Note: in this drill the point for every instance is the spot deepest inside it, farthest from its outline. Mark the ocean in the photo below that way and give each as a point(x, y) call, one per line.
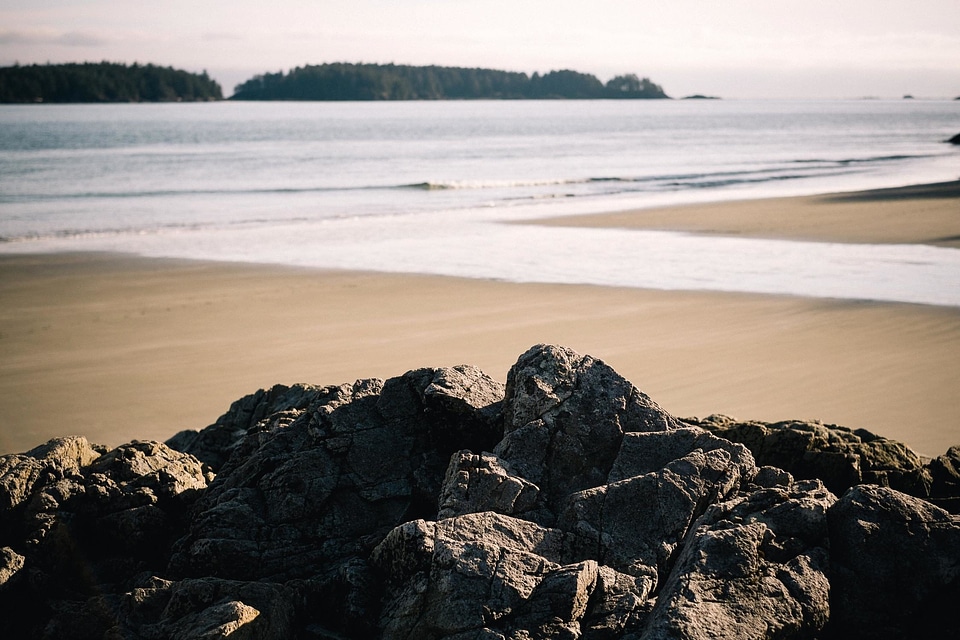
point(426, 187)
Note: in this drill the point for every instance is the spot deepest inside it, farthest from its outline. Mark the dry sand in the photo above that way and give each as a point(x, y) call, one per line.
point(117, 347)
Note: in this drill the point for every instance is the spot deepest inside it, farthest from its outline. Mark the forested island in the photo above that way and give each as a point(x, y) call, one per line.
point(104, 82)
point(344, 81)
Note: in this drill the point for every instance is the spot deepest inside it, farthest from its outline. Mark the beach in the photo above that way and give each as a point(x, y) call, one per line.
point(117, 347)
point(917, 214)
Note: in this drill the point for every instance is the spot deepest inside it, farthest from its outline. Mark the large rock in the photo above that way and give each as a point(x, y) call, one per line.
point(490, 575)
point(752, 567)
point(635, 525)
point(22, 474)
point(441, 504)
point(309, 493)
point(945, 480)
point(840, 457)
point(564, 418)
point(214, 444)
point(895, 563)
point(77, 519)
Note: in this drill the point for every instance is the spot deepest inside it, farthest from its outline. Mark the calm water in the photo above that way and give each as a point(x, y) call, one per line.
point(425, 186)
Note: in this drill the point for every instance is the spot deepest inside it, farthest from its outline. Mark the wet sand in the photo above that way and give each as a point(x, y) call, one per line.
point(920, 214)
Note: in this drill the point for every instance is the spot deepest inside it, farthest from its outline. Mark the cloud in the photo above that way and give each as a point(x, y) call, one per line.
point(64, 38)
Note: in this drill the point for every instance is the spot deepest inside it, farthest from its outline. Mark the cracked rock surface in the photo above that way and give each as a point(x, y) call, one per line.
point(442, 504)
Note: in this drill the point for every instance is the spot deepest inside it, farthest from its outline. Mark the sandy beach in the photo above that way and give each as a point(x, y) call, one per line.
point(116, 347)
point(919, 214)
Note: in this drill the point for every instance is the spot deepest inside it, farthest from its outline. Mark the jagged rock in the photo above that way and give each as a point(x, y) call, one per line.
point(635, 525)
point(214, 444)
point(11, 563)
point(48, 463)
point(461, 574)
point(476, 483)
point(213, 608)
point(146, 468)
point(895, 566)
point(753, 567)
point(945, 480)
point(441, 504)
point(564, 417)
point(838, 456)
point(488, 573)
point(305, 493)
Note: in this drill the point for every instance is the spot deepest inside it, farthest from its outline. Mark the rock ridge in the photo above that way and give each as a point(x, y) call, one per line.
point(442, 504)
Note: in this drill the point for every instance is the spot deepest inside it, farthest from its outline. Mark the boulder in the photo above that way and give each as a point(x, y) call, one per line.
point(490, 575)
point(840, 457)
point(475, 483)
point(636, 525)
point(895, 565)
point(753, 567)
point(309, 493)
point(564, 418)
point(214, 444)
point(945, 480)
point(443, 504)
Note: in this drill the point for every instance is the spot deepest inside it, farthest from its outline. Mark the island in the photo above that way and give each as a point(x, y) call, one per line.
point(348, 81)
point(104, 82)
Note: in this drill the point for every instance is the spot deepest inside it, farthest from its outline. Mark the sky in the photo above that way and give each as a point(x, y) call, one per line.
point(727, 48)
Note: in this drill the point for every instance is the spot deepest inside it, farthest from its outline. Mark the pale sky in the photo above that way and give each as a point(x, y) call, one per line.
point(729, 48)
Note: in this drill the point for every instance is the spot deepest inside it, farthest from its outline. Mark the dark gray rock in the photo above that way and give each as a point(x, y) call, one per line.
point(309, 490)
point(214, 444)
point(564, 417)
point(476, 483)
point(895, 566)
point(213, 608)
point(490, 575)
point(462, 574)
point(636, 525)
point(753, 567)
point(11, 563)
point(838, 456)
point(945, 480)
point(441, 504)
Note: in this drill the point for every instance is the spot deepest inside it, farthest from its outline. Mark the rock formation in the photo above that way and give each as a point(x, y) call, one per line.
point(442, 504)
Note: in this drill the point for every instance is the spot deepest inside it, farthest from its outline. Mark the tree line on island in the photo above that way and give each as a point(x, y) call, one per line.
point(113, 82)
point(104, 82)
point(344, 81)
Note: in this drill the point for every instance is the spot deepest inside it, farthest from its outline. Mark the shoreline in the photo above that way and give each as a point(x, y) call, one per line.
point(117, 347)
point(875, 216)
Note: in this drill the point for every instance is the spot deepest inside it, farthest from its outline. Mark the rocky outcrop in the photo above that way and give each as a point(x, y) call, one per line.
point(843, 458)
point(442, 504)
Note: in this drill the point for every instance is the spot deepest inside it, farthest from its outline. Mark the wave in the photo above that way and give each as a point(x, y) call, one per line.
point(849, 161)
point(583, 186)
point(154, 229)
point(490, 184)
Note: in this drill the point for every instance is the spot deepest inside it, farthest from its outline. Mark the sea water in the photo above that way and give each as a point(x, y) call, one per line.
point(427, 187)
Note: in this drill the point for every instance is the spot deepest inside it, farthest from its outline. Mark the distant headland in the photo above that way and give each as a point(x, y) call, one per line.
point(104, 82)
